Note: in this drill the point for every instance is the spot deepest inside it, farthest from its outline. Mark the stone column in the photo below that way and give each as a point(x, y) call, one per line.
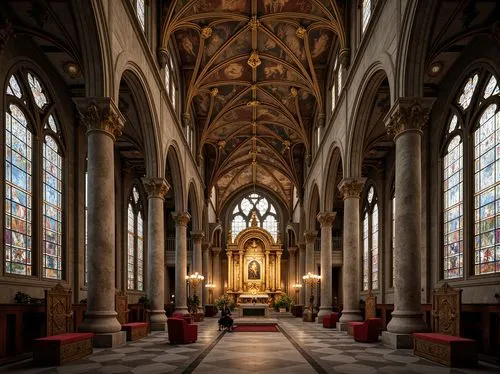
point(405, 121)
point(156, 188)
point(242, 271)
point(310, 237)
point(268, 267)
point(351, 188)
point(292, 273)
point(207, 272)
point(230, 274)
point(181, 221)
point(197, 237)
point(326, 220)
point(104, 123)
point(302, 272)
point(219, 286)
point(278, 270)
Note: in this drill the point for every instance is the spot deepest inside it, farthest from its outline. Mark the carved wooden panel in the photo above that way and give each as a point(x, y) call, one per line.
point(370, 306)
point(446, 306)
point(59, 312)
point(121, 307)
point(433, 351)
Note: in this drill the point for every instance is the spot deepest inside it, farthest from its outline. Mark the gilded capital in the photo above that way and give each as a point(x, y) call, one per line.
point(310, 236)
point(156, 187)
point(326, 218)
point(100, 114)
point(181, 218)
point(408, 114)
point(351, 188)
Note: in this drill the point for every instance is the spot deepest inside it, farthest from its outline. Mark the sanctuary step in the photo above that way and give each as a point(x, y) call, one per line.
point(245, 321)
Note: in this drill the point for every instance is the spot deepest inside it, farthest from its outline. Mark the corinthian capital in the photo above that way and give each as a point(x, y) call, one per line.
point(100, 114)
point(408, 114)
point(181, 218)
point(156, 187)
point(310, 236)
point(326, 218)
point(351, 188)
point(197, 236)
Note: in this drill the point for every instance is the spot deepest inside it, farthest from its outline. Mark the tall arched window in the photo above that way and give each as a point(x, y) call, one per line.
point(170, 82)
point(474, 111)
point(370, 241)
point(267, 217)
point(33, 167)
point(135, 242)
point(366, 13)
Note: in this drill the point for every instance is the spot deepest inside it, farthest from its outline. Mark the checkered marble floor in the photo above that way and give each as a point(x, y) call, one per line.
point(301, 348)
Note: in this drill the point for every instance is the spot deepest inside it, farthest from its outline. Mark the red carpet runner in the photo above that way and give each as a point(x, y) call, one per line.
point(255, 328)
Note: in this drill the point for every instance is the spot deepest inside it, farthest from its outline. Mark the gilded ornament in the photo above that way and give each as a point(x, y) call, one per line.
point(253, 103)
point(206, 32)
point(301, 32)
point(254, 59)
point(221, 144)
point(293, 92)
point(254, 23)
point(214, 91)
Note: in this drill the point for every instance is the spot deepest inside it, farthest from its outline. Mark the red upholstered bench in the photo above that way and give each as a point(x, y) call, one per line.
point(330, 321)
point(449, 350)
point(350, 327)
point(59, 349)
point(135, 330)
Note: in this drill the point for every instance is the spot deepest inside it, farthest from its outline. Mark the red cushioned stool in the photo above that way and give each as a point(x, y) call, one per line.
point(367, 331)
point(331, 320)
point(135, 330)
point(181, 332)
point(58, 349)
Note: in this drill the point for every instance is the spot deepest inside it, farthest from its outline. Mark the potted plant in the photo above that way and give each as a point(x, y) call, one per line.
point(193, 304)
point(225, 300)
point(282, 303)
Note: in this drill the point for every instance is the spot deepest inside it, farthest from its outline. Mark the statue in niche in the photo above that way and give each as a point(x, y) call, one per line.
point(253, 270)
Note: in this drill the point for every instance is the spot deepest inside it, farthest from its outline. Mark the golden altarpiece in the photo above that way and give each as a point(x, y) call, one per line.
point(254, 265)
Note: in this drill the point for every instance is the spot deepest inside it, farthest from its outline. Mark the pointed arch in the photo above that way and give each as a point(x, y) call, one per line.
point(334, 165)
point(313, 208)
point(174, 173)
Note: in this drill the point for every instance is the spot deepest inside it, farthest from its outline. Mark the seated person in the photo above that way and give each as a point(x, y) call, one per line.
point(225, 321)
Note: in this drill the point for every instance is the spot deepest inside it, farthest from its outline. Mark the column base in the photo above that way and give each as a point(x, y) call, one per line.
point(342, 326)
point(110, 340)
point(100, 322)
point(323, 311)
point(406, 322)
point(397, 341)
point(158, 326)
point(158, 320)
point(351, 315)
point(183, 309)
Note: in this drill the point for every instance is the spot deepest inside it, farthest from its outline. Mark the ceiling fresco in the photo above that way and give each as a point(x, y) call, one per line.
point(255, 73)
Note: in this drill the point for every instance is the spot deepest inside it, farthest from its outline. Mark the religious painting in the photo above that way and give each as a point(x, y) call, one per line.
point(253, 270)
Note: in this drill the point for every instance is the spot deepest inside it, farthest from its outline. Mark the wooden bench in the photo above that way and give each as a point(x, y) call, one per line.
point(59, 349)
point(136, 330)
point(449, 350)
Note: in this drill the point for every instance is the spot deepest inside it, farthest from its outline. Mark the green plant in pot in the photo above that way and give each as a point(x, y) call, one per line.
point(282, 301)
point(193, 303)
point(225, 300)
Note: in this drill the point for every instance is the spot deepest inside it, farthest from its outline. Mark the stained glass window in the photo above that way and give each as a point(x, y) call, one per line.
point(266, 215)
point(131, 248)
point(52, 210)
point(140, 252)
point(339, 80)
point(365, 253)
point(366, 12)
point(167, 79)
point(491, 88)
point(333, 96)
point(18, 193)
point(370, 195)
point(453, 209)
point(37, 91)
point(468, 91)
point(140, 9)
point(13, 88)
point(375, 239)
point(487, 192)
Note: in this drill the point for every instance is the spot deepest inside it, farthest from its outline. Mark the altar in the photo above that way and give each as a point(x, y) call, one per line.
point(253, 310)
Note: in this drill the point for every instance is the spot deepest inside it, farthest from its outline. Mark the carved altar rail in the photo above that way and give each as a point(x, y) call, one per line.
point(480, 322)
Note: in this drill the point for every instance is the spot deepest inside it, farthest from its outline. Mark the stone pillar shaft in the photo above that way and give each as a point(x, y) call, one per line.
point(351, 189)
point(181, 221)
point(292, 273)
point(230, 271)
point(310, 237)
point(219, 286)
point(267, 271)
point(207, 273)
point(302, 271)
point(326, 221)
point(156, 189)
point(196, 237)
point(405, 121)
point(104, 123)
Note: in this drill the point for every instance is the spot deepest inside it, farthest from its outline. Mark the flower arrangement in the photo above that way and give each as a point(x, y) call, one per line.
point(282, 301)
point(225, 300)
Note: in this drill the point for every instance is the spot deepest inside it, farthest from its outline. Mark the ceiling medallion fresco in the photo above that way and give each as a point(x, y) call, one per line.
point(255, 72)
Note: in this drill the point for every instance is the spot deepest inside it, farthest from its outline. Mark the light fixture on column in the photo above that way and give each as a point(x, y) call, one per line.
point(194, 280)
point(210, 287)
point(297, 287)
point(311, 280)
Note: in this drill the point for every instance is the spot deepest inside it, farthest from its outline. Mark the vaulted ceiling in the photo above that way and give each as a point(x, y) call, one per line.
point(255, 73)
